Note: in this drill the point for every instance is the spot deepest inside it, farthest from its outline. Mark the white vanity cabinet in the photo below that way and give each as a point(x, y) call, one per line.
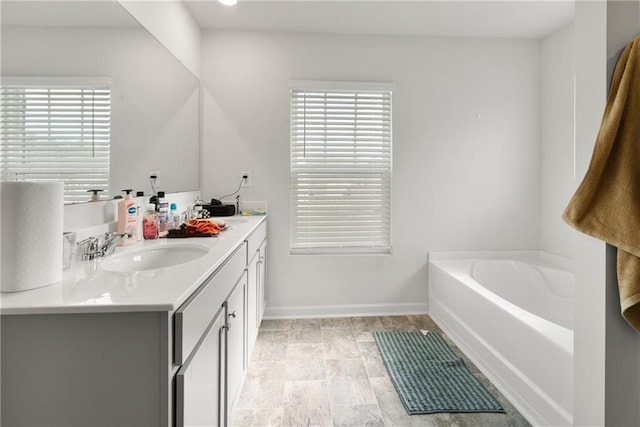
point(236, 333)
point(209, 346)
point(142, 358)
point(200, 382)
point(256, 276)
point(262, 279)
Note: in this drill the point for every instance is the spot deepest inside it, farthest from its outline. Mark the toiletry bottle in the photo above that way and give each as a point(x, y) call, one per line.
point(127, 217)
point(95, 197)
point(150, 223)
point(163, 214)
point(139, 201)
point(174, 217)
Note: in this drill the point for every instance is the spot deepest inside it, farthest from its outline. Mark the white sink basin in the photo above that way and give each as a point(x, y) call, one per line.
point(153, 258)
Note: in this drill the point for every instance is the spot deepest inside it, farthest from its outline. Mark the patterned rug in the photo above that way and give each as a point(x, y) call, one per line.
point(429, 377)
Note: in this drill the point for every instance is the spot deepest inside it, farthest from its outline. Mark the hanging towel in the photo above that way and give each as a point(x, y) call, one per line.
point(606, 205)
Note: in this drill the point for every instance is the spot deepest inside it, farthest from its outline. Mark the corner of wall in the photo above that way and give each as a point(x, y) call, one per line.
point(173, 25)
point(590, 255)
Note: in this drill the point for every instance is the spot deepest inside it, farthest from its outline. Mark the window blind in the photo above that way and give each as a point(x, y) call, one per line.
point(56, 132)
point(340, 171)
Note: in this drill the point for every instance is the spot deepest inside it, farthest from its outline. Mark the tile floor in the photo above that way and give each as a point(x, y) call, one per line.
point(328, 372)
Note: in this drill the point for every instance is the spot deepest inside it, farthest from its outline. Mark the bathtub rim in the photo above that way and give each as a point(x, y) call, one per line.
point(535, 256)
point(561, 336)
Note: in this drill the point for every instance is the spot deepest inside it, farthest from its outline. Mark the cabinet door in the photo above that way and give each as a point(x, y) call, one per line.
point(262, 281)
point(236, 340)
point(252, 304)
point(200, 399)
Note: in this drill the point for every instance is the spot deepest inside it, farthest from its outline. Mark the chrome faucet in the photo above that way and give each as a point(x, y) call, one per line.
point(94, 247)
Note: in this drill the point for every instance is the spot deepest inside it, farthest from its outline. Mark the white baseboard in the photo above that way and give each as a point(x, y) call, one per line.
point(347, 310)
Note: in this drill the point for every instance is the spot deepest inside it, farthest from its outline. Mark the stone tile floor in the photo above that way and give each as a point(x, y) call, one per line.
point(328, 372)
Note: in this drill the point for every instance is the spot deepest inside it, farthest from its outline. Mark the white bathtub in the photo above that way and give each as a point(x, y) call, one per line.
point(512, 314)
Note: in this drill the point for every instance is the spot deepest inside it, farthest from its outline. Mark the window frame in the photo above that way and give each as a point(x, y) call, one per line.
point(383, 246)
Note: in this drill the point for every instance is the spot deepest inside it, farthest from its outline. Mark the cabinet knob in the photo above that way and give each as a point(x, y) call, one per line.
point(234, 314)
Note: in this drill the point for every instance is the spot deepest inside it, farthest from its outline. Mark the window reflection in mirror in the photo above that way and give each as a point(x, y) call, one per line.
point(57, 130)
point(154, 122)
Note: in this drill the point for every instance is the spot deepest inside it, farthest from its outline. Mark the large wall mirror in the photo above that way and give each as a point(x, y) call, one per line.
point(153, 100)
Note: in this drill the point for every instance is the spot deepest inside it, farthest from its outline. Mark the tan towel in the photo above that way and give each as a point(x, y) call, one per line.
point(607, 202)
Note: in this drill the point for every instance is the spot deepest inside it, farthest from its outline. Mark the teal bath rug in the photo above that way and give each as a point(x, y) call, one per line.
point(429, 377)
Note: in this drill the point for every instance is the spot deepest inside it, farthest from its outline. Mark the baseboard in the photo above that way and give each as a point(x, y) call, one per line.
point(347, 310)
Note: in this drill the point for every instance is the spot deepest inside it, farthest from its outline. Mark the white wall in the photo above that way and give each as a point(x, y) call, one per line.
point(606, 348)
point(466, 153)
point(589, 335)
point(172, 24)
point(622, 381)
point(557, 165)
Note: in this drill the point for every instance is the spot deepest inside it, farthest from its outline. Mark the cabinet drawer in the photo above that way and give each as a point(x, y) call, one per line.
point(193, 317)
point(255, 240)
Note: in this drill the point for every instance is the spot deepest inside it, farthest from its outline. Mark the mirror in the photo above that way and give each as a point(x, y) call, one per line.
point(154, 98)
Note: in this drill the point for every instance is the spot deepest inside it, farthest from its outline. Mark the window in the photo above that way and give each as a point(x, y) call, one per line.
point(340, 168)
point(56, 129)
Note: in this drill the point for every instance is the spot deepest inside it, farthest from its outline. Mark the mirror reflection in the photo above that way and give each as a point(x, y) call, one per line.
point(86, 79)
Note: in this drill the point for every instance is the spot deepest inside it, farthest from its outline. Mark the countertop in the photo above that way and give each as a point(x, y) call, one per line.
point(87, 288)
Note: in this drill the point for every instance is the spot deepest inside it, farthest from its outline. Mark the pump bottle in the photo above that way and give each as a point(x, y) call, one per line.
point(127, 218)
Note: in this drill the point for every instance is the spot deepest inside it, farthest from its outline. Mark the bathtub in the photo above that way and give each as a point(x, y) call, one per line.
point(511, 313)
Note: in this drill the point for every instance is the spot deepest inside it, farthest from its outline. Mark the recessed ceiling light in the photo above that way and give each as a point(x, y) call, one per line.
point(228, 2)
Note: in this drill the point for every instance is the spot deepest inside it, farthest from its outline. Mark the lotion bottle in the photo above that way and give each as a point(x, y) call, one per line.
point(127, 218)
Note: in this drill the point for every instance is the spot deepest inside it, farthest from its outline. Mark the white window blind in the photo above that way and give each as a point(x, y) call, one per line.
point(340, 171)
point(55, 131)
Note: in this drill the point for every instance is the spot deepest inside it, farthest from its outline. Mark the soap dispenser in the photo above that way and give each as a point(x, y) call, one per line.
point(95, 197)
point(127, 218)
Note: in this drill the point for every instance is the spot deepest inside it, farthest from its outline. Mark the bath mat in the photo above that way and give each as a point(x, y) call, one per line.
point(429, 377)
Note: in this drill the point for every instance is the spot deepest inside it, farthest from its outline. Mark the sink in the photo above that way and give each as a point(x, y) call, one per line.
point(153, 258)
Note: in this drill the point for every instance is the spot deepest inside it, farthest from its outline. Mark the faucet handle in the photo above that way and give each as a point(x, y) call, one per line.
point(110, 242)
point(89, 242)
point(89, 248)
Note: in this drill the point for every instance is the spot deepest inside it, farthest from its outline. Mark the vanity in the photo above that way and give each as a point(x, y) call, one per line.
point(123, 344)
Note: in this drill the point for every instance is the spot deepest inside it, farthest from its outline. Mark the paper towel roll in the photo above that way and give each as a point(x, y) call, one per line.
point(32, 215)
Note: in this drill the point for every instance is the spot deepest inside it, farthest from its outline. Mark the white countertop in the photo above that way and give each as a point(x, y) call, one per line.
point(87, 288)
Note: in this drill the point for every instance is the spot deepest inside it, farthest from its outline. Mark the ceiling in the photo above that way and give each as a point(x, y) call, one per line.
point(471, 18)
